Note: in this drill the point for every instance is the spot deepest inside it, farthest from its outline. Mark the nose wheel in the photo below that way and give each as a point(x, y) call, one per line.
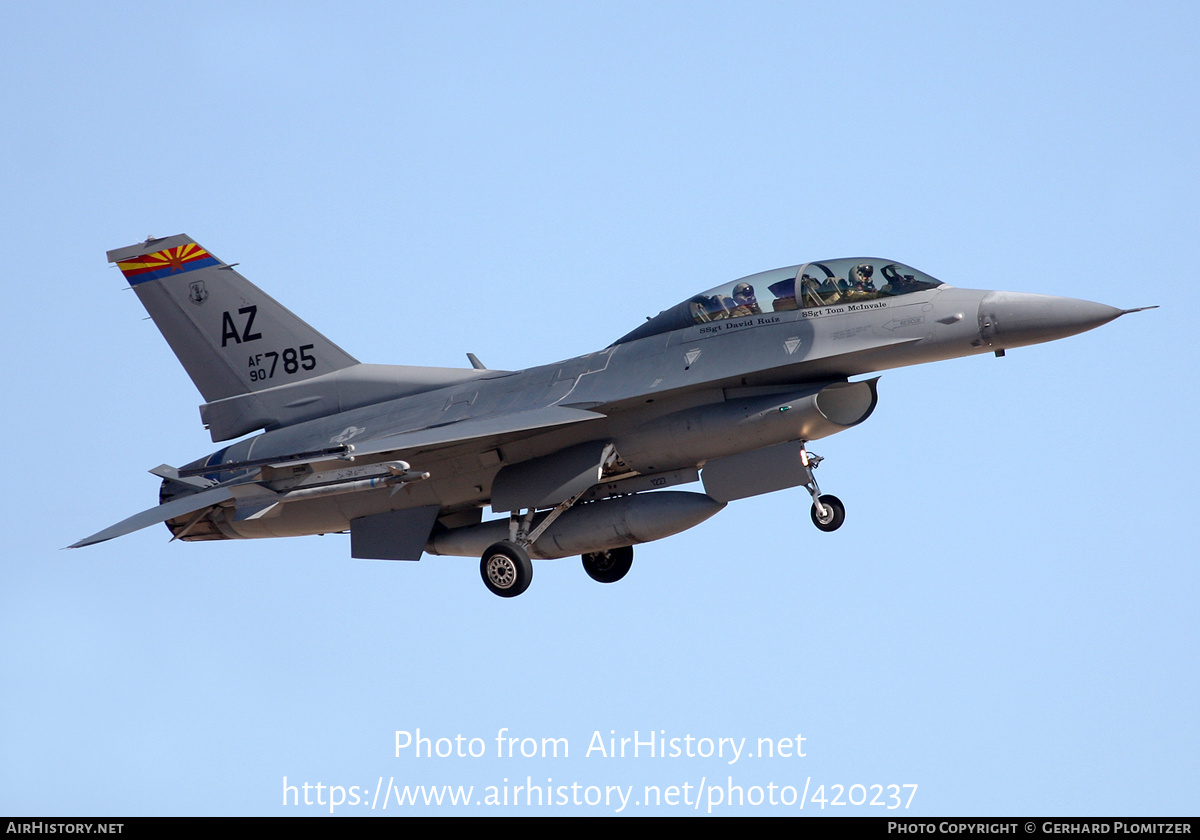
point(828, 512)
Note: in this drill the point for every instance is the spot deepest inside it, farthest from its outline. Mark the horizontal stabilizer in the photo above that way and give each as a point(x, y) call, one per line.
point(160, 513)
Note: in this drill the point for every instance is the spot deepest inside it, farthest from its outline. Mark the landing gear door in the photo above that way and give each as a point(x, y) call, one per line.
point(754, 473)
point(546, 481)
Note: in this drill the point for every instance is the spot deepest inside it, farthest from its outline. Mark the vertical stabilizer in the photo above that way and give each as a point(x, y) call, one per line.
point(230, 336)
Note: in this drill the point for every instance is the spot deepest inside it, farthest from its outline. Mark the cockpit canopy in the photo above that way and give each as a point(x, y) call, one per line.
point(814, 284)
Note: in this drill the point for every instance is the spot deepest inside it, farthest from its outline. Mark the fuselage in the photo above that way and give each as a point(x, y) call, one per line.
point(580, 457)
point(691, 363)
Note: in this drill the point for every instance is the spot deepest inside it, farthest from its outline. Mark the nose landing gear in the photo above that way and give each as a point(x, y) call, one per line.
point(828, 512)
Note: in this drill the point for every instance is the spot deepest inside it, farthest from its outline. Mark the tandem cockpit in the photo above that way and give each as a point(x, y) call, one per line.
point(812, 285)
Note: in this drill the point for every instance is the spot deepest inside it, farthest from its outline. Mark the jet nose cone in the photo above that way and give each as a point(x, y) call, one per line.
point(1013, 319)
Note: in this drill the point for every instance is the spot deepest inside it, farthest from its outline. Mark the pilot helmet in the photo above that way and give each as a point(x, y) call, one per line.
point(861, 274)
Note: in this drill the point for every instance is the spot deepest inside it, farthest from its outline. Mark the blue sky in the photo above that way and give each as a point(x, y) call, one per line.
point(1007, 619)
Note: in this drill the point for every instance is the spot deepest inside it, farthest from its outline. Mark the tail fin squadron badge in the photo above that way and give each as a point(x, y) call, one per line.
point(197, 293)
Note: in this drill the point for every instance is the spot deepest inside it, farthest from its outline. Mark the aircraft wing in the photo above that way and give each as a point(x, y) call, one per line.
point(484, 431)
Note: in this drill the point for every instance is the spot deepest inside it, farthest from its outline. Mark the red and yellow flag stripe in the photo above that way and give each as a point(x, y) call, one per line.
point(164, 263)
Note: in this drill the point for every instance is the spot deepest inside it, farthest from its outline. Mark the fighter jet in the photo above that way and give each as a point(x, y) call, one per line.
point(726, 388)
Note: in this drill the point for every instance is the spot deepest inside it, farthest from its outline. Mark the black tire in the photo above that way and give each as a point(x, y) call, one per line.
point(608, 566)
point(506, 569)
point(835, 514)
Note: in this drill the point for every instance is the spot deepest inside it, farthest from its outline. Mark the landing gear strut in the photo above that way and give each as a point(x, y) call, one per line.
point(505, 567)
point(828, 512)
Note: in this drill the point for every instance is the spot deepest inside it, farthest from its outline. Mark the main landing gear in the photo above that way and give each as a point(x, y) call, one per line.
point(608, 566)
point(507, 570)
point(505, 567)
point(828, 512)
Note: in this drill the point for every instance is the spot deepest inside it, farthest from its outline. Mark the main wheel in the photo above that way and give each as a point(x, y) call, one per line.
point(608, 566)
point(834, 515)
point(506, 569)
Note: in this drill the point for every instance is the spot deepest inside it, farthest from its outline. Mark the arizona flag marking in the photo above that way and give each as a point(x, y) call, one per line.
point(161, 264)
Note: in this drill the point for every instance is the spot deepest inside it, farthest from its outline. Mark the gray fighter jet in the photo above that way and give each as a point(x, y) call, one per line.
point(727, 388)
